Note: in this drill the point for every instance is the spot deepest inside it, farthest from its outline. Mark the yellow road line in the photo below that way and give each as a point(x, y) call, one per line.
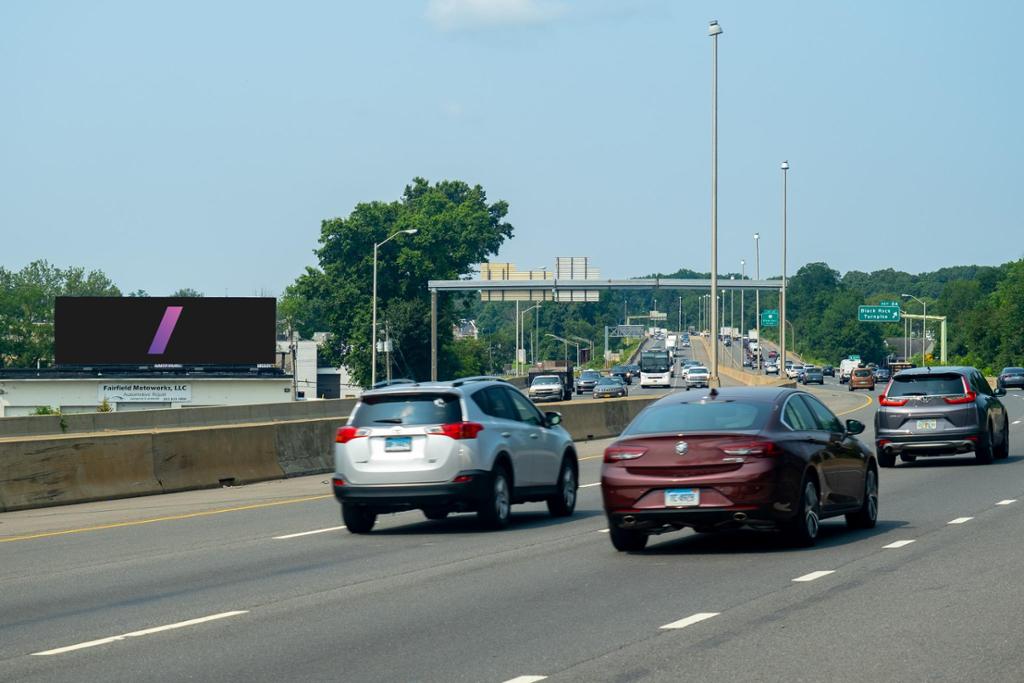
point(853, 410)
point(169, 518)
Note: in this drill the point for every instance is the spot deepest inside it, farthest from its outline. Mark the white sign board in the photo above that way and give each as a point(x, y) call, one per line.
point(130, 392)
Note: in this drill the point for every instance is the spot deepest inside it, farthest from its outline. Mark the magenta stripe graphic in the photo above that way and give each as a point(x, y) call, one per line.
point(163, 332)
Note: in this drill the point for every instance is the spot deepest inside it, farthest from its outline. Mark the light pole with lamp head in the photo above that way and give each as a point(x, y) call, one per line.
point(782, 292)
point(743, 295)
point(373, 335)
point(714, 30)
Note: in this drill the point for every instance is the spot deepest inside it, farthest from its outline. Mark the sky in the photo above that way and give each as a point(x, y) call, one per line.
point(197, 144)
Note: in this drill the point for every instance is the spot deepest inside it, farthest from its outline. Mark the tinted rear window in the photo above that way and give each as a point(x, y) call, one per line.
point(927, 385)
point(861, 373)
point(708, 416)
point(405, 409)
point(1012, 371)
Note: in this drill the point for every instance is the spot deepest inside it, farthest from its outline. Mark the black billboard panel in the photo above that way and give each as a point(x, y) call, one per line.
point(164, 330)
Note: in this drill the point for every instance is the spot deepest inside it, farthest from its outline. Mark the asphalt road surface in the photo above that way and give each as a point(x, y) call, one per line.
point(259, 583)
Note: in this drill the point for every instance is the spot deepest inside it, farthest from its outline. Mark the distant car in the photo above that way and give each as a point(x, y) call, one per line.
point(634, 369)
point(941, 411)
point(791, 370)
point(828, 371)
point(622, 372)
point(610, 387)
point(748, 361)
point(861, 378)
point(727, 341)
point(546, 388)
point(760, 457)
point(587, 380)
point(772, 355)
point(812, 375)
point(771, 368)
point(1011, 378)
point(697, 376)
point(881, 375)
point(475, 444)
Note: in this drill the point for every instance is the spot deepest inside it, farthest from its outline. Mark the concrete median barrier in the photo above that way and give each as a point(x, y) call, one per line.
point(201, 458)
point(306, 447)
point(43, 472)
point(599, 419)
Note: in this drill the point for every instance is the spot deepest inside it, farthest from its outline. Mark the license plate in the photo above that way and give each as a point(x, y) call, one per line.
point(682, 498)
point(926, 424)
point(394, 444)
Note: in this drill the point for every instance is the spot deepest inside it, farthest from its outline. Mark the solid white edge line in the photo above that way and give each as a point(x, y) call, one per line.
point(814, 575)
point(1008, 501)
point(309, 533)
point(959, 520)
point(526, 679)
point(897, 544)
point(135, 634)
point(587, 486)
point(603, 531)
point(692, 619)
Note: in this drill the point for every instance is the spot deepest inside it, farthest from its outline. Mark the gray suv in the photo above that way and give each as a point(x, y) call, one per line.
point(474, 444)
point(941, 411)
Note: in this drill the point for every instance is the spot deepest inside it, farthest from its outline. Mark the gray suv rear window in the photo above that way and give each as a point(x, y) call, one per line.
point(406, 409)
point(927, 385)
point(699, 417)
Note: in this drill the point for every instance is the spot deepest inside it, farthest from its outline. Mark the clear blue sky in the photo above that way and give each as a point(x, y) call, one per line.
point(200, 143)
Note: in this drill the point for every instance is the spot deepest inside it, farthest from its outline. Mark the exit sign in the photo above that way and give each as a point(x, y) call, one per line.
point(878, 314)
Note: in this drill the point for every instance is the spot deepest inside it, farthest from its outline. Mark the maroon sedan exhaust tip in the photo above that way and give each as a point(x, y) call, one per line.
point(629, 521)
point(740, 516)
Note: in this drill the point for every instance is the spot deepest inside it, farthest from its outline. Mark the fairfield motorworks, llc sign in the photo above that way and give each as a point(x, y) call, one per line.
point(131, 392)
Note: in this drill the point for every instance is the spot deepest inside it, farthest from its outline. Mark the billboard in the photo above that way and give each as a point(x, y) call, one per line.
point(164, 330)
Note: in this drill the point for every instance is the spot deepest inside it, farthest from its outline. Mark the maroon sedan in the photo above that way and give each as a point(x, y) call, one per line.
point(758, 457)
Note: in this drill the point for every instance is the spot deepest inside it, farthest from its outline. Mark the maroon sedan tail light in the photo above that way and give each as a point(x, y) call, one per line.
point(761, 449)
point(620, 453)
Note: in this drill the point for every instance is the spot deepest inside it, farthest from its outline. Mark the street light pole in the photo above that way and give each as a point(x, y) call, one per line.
point(743, 295)
point(757, 295)
point(714, 30)
point(782, 293)
point(924, 326)
point(373, 332)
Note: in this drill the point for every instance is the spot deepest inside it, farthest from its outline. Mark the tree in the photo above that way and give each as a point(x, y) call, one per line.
point(186, 292)
point(26, 308)
point(456, 227)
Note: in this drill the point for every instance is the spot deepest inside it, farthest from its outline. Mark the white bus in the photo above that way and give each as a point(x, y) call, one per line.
point(655, 369)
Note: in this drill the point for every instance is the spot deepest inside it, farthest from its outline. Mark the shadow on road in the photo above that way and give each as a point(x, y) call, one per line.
point(954, 461)
point(467, 523)
point(834, 533)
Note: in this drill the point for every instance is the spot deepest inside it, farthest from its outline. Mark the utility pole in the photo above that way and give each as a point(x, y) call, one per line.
point(782, 293)
point(714, 30)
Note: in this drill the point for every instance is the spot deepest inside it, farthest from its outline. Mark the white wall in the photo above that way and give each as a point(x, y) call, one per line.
point(23, 396)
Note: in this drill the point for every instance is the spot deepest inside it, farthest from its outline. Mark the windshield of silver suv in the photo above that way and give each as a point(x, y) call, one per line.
point(550, 379)
point(407, 409)
point(590, 374)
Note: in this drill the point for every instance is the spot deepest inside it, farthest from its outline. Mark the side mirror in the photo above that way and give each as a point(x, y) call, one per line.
point(1000, 391)
point(854, 426)
point(553, 418)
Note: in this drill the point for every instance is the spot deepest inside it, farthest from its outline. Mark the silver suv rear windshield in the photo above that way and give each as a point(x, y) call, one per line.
point(700, 417)
point(927, 385)
point(407, 409)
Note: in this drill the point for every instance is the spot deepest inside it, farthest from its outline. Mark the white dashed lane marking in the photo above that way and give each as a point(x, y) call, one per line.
point(135, 634)
point(1008, 501)
point(526, 679)
point(309, 533)
point(897, 544)
point(587, 486)
point(960, 520)
point(690, 620)
point(814, 575)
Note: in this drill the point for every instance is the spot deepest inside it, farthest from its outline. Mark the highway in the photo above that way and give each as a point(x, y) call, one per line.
point(261, 583)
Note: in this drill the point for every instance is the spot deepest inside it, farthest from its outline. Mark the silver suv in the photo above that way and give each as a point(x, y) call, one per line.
point(941, 411)
point(474, 444)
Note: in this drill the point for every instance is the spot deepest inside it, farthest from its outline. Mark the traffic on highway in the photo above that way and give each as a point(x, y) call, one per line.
point(729, 509)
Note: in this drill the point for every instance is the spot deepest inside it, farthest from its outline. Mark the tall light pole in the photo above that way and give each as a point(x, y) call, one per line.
point(373, 333)
point(924, 323)
point(714, 30)
point(679, 324)
point(522, 330)
point(732, 301)
point(782, 292)
point(757, 294)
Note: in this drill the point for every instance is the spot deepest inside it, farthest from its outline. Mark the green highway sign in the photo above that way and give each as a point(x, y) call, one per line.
point(890, 303)
point(878, 314)
point(770, 317)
